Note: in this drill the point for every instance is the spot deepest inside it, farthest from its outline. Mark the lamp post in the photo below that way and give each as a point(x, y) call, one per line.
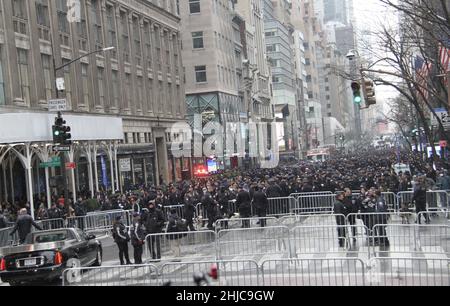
point(55, 72)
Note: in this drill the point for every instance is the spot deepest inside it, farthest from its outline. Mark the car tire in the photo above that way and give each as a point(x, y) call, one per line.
point(73, 276)
point(98, 259)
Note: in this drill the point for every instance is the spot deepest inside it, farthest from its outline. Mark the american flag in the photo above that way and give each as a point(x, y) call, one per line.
point(423, 69)
point(444, 57)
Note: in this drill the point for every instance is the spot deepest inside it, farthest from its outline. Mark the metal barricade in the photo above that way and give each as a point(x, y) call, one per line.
point(404, 199)
point(437, 200)
point(393, 238)
point(6, 239)
point(327, 239)
point(230, 273)
point(252, 241)
point(309, 220)
point(179, 209)
point(50, 224)
point(433, 239)
point(198, 244)
point(280, 206)
point(391, 200)
point(388, 271)
point(300, 194)
point(313, 272)
point(371, 219)
point(240, 222)
point(129, 275)
point(314, 204)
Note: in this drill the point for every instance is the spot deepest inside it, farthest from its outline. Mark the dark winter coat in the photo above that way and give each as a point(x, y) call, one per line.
point(23, 226)
point(155, 221)
point(243, 202)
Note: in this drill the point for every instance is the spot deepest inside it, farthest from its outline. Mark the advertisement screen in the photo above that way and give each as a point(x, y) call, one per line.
point(212, 166)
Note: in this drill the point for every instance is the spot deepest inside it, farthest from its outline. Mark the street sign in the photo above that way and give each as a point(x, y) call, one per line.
point(53, 162)
point(57, 105)
point(443, 115)
point(61, 148)
point(125, 165)
point(70, 165)
point(60, 84)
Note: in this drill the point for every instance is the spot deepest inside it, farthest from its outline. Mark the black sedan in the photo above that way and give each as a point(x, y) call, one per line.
point(46, 254)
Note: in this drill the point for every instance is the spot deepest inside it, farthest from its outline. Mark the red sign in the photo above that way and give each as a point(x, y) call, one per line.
point(70, 165)
point(443, 143)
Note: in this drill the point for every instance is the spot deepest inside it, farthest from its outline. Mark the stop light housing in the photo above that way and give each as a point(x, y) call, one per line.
point(369, 92)
point(61, 132)
point(356, 88)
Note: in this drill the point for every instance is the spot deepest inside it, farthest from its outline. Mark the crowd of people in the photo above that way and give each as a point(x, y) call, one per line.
point(368, 171)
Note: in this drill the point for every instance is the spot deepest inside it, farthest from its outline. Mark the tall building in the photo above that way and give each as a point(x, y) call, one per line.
point(224, 84)
point(279, 40)
point(139, 82)
point(336, 10)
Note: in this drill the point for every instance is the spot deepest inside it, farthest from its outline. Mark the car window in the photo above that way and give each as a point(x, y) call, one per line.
point(81, 234)
point(50, 237)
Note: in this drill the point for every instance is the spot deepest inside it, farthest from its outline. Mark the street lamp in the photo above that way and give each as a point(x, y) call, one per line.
point(85, 55)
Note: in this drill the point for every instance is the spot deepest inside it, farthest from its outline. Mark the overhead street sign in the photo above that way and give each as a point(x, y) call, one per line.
point(53, 162)
point(61, 148)
point(57, 105)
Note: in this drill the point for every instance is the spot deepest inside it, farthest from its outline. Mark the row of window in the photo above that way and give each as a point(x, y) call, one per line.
point(116, 30)
point(137, 138)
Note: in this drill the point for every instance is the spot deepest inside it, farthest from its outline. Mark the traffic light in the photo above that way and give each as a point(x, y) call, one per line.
point(356, 88)
point(369, 92)
point(61, 133)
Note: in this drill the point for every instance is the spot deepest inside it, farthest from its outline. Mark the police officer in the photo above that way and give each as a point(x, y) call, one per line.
point(121, 238)
point(339, 209)
point(137, 238)
point(154, 225)
point(260, 203)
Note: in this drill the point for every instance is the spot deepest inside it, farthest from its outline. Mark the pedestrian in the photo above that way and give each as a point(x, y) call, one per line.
point(420, 200)
point(121, 238)
point(137, 238)
point(340, 210)
point(243, 202)
point(260, 203)
point(3, 220)
point(154, 226)
point(23, 225)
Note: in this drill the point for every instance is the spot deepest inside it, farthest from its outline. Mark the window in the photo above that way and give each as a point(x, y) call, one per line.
point(311, 109)
point(20, 16)
point(101, 85)
point(97, 23)
point(328, 105)
point(327, 88)
point(125, 41)
point(327, 97)
point(307, 62)
point(147, 42)
point(197, 40)
point(275, 63)
point(85, 83)
point(271, 48)
point(200, 74)
point(308, 78)
point(82, 29)
point(194, 6)
point(330, 115)
point(115, 88)
point(139, 93)
point(137, 42)
point(127, 93)
point(271, 33)
point(112, 36)
point(42, 16)
point(150, 94)
point(157, 40)
point(310, 95)
point(275, 79)
point(22, 55)
point(306, 45)
point(46, 67)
